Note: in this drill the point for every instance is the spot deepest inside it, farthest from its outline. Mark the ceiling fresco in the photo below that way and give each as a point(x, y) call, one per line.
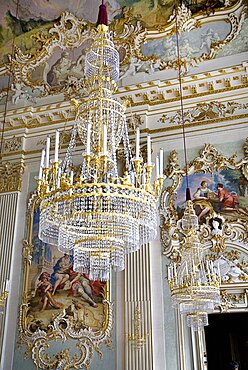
point(39, 15)
point(51, 38)
point(152, 13)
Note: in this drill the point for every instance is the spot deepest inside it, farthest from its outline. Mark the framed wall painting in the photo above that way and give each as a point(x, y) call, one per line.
point(58, 304)
point(218, 184)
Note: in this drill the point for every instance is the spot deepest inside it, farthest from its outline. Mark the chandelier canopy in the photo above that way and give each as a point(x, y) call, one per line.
point(195, 281)
point(99, 214)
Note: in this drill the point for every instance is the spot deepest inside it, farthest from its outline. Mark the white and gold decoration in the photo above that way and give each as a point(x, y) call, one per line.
point(73, 323)
point(99, 214)
point(141, 49)
point(194, 282)
point(98, 190)
point(207, 256)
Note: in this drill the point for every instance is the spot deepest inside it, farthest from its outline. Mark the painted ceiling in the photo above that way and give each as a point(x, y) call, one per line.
point(152, 13)
point(144, 32)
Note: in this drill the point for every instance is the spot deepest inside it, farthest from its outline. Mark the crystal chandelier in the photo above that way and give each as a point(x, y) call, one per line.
point(99, 215)
point(195, 281)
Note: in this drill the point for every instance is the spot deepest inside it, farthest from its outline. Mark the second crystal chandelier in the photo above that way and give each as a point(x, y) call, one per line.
point(99, 215)
point(195, 281)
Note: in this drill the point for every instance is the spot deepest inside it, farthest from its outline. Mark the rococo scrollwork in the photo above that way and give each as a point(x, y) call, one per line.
point(59, 305)
point(219, 191)
point(55, 64)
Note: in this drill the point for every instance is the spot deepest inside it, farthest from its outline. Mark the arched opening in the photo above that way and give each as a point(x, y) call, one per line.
point(227, 340)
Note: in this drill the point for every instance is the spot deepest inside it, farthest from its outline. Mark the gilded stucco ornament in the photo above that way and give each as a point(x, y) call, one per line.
point(137, 339)
point(233, 264)
point(13, 144)
point(74, 326)
point(224, 234)
point(134, 121)
point(185, 21)
point(210, 40)
point(210, 111)
point(52, 68)
point(218, 231)
point(11, 177)
point(245, 164)
point(209, 161)
point(230, 301)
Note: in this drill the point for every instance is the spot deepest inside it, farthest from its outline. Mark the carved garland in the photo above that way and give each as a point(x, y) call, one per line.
point(202, 112)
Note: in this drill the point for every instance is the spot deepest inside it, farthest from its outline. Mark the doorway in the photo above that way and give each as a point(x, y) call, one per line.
point(227, 340)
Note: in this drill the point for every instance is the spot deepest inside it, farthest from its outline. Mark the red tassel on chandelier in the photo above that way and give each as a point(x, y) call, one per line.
point(102, 15)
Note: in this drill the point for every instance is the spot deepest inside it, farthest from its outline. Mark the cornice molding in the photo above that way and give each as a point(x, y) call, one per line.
point(146, 94)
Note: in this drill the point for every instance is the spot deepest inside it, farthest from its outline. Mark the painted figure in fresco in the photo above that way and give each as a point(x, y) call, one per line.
point(243, 186)
point(229, 201)
point(80, 287)
point(61, 69)
point(186, 49)
point(62, 271)
point(208, 38)
point(202, 199)
point(45, 289)
point(133, 68)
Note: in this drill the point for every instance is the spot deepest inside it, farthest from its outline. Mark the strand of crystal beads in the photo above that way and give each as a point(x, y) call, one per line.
point(67, 163)
point(127, 151)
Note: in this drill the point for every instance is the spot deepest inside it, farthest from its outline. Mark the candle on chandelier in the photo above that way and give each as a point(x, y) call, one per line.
point(157, 166)
point(137, 143)
point(104, 142)
point(7, 286)
point(149, 151)
point(186, 268)
point(47, 151)
point(143, 179)
point(161, 163)
point(41, 163)
point(88, 139)
point(56, 151)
